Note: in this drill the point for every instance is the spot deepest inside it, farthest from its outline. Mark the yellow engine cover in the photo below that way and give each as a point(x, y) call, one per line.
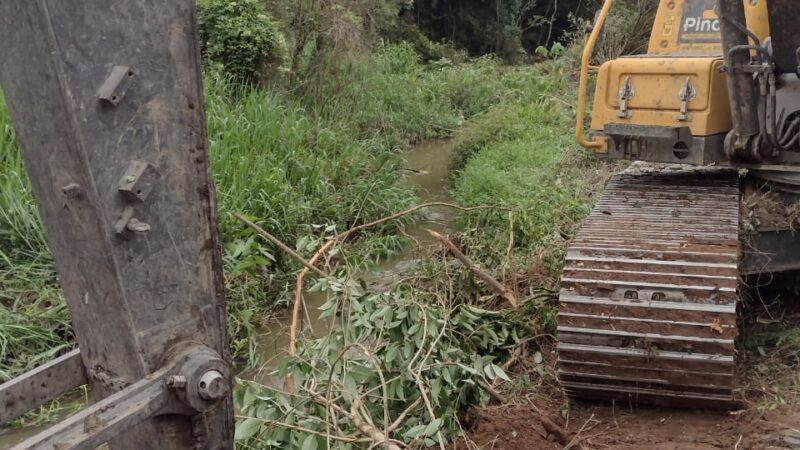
point(663, 91)
point(652, 89)
point(692, 26)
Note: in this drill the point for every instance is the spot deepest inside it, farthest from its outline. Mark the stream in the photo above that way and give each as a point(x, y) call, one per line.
point(428, 165)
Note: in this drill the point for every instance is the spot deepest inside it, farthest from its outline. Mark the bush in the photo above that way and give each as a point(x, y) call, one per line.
point(240, 36)
point(627, 29)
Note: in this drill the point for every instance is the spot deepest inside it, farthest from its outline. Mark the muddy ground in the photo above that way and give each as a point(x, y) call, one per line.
point(538, 415)
point(604, 426)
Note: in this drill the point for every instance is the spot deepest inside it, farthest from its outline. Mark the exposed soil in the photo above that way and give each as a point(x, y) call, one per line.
point(594, 426)
point(539, 416)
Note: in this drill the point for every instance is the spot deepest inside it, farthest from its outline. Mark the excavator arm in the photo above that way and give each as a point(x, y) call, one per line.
point(107, 101)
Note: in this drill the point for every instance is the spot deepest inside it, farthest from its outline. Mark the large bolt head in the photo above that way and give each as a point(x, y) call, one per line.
point(212, 386)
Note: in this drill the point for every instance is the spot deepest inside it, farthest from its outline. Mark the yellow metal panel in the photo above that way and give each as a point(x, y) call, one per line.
point(757, 17)
point(692, 26)
point(657, 83)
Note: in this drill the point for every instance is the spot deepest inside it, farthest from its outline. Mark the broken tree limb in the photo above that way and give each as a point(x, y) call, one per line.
point(363, 424)
point(263, 233)
point(497, 286)
point(494, 393)
point(298, 292)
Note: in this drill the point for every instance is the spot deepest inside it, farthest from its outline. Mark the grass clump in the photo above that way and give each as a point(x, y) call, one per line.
point(521, 156)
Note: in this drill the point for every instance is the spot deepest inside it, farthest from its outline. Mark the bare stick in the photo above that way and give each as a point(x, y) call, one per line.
point(493, 393)
point(498, 287)
point(263, 233)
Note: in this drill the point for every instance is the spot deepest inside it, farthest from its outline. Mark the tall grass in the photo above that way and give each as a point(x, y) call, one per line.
point(21, 236)
point(299, 166)
point(520, 156)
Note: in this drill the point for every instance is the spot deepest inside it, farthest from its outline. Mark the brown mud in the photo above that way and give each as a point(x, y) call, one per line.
point(606, 426)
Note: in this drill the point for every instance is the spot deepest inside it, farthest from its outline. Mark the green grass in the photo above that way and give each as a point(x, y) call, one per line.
point(521, 156)
point(34, 323)
point(300, 167)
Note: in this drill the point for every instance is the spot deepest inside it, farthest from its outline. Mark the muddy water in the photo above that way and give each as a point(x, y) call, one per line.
point(428, 170)
point(68, 405)
point(428, 165)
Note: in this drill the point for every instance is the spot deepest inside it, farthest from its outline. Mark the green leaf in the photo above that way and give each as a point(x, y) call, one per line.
point(433, 427)
point(500, 372)
point(310, 443)
point(436, 388)
point(488, 370)
point(302, 243)
point(391, 353)
point(249, 396)
point(414, 431)
point(350, 385)
point(399, 392)
point(247, 429)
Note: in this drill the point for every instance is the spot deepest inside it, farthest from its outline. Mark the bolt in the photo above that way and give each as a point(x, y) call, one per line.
point(212, 385)
point(137, 226)
point(72, 190)
point(176, 381)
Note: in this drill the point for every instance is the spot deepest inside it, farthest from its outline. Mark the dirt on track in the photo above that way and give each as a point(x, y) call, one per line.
point(601, 426)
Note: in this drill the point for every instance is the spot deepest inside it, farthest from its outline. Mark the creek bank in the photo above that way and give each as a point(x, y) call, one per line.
point(428, 172)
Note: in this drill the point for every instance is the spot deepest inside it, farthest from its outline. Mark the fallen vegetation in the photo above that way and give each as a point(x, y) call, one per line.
point(307, 146)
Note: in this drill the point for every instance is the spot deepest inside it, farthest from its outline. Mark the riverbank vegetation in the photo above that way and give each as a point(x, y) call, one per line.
point(311, 106)
point(322, 99)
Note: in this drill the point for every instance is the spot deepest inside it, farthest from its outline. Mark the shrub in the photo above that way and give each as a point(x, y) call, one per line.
point(240, 36)
point(627, 29)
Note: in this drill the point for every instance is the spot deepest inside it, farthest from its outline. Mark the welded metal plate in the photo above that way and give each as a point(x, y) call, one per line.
point(649, 290)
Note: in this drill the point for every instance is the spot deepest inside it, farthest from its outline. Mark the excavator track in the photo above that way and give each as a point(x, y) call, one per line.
point(649, 290)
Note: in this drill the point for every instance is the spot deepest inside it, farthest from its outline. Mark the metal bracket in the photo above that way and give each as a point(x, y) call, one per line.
point(138, 181)
point(626, 93)
point(206, 382)
point(687, 94)
point(116, 85)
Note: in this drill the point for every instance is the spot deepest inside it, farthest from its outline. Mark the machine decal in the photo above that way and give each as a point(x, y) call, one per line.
point(699, 23)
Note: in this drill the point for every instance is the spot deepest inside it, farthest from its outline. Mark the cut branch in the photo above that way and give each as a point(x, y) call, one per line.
point(497, 286)
point(298, 292)
point(376, 436)
point(263, 233)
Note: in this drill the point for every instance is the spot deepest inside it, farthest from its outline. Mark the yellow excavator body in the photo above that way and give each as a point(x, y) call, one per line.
point(651, 282)
point(680, 81)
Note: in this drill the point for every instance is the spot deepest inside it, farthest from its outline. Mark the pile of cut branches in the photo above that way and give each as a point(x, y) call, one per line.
point(395, 372)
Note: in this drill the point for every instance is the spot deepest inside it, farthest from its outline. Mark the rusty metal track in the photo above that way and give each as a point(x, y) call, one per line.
point(649, 290)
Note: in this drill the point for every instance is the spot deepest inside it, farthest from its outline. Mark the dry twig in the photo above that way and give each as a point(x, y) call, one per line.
point(497, 286)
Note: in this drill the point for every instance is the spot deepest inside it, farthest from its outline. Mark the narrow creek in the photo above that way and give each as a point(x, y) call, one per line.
point(428, 165)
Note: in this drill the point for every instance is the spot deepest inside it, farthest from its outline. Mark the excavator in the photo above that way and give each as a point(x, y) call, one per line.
point(653, 280)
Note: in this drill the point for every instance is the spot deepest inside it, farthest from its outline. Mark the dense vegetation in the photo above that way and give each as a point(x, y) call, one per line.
point(311, 105)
